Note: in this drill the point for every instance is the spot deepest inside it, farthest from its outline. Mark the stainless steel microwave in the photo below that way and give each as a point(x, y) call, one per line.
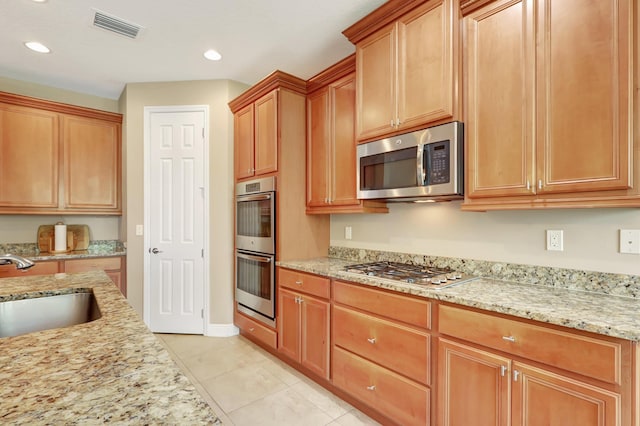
point(423, 165)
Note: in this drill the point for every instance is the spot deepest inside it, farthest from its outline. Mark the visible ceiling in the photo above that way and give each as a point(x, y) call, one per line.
point(255, 37)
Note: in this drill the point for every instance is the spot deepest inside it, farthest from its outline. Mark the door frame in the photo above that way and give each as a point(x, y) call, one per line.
point(148, 111)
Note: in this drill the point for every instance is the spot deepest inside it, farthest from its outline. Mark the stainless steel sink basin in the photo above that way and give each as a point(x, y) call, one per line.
point(45, 313)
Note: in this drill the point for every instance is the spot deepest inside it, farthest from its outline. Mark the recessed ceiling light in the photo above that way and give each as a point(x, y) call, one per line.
point(37, 47)
point(212, 55)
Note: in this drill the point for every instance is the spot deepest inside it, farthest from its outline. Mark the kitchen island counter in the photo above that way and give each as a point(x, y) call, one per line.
point(582, 310)
point(111, 370)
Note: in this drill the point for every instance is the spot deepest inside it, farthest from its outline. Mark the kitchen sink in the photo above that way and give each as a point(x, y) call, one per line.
point(44, 313)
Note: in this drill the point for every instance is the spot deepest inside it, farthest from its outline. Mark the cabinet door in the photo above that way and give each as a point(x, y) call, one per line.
point(474, 386)
point(39, 268)
point(542, 398)
point(315, 335)
point(28, 157)
point(243, 142)
point(584, 92)
point(266, 134)
point(425, 64)
point(319, 139)
point(499, 101)
point(288, 324)
point(376, 76)
point(344, 185)
point(91, 163)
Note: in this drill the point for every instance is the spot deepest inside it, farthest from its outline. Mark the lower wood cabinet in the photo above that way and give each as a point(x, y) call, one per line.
point(113, 266)
point(255, 330)
point(303, 320)
point(511, 372)
point(39, 268)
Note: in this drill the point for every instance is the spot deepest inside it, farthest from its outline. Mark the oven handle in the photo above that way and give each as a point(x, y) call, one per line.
point(256, 258)
point(256, 197)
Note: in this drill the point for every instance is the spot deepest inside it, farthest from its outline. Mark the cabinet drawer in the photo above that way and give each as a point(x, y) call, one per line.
point(592, 357)
point(393, 346)
point(39, 268)
point(397, 307)
point(256, 330)
point(398, 398)
point(93, 264)
point(307, 283)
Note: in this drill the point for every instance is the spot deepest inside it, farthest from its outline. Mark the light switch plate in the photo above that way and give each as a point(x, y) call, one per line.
point(630, 241)
point(139, 230)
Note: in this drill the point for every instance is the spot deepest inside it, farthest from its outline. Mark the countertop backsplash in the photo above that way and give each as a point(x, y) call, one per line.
point(573, 279)
point(96, 247)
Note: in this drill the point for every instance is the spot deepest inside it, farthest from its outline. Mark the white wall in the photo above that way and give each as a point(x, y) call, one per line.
point(590, 235)
point(24, 228)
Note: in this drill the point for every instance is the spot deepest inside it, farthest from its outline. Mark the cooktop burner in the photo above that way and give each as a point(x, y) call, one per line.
point(415, 274)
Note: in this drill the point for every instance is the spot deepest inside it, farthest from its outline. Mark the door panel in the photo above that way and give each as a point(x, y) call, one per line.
point(266, 134)
point(177, 222)
point(314, 352)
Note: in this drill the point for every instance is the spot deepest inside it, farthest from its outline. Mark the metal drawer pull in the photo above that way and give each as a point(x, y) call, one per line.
point(371, 340)
point(371, 388)
point(509, 338)
point(252, 329)
point(299, 282)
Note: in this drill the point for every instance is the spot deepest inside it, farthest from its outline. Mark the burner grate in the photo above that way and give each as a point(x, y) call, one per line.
point(434, 277)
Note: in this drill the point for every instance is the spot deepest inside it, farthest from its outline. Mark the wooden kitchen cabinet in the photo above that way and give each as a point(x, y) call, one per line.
point(256, 137)
point(529, 374)
point(381, 351)
point(406, 67)
point(58, 158)
point(28, 157)
point(38, 268)
point(331, 145)
point(536, 138)
point(114, 267)
point(92, 162)
point(303, 320)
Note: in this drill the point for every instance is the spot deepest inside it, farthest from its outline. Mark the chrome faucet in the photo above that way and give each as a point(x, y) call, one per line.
point(20, 262)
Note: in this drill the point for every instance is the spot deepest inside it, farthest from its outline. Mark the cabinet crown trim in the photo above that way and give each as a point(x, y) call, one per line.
point(275, 80)
point(27, 101)
point(340, 69)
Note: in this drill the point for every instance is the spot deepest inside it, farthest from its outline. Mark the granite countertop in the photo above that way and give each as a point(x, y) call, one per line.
point(112, 369)
point(582, 310)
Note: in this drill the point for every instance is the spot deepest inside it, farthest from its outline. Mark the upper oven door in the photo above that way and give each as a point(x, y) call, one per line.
point(255, 222)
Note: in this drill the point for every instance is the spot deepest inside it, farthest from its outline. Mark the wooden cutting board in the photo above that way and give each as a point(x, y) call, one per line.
point(77, 238)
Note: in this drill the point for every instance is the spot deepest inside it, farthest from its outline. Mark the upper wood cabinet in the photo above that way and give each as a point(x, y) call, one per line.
point(91, 163)
point(28, 157)
point(331, 145)
point(407, 66)
point(256, 137)
point(548, 101)
point(58, 159)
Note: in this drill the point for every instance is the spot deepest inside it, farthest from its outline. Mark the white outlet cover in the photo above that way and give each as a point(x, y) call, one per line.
point(630, 241)
point(555, 240)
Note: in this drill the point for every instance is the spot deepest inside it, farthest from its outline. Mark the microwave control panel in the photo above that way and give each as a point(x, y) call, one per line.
point(436, 161)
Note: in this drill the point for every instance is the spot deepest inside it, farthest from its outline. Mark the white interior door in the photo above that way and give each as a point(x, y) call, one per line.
point(175, 294)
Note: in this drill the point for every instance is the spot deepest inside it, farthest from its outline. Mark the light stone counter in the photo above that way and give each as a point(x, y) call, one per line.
point(111, 370)
point(582, 310)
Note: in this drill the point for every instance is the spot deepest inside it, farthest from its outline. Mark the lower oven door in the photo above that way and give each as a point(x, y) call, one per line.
point(255, 284)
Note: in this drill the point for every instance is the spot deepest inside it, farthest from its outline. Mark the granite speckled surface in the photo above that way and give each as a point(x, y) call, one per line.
point(97, 248)
point(600, 313)
point(111, 370)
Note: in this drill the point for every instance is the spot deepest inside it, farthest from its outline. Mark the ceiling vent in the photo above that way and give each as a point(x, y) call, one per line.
point(115, 24)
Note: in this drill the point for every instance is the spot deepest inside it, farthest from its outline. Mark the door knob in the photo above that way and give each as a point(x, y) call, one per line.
point(155, 251)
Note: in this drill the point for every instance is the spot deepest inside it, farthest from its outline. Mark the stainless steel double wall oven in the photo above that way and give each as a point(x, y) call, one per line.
point(256, 248)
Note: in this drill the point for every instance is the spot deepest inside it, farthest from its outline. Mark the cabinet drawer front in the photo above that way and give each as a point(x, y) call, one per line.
point(597, 358)
point(397, 307)
point(39, 268)
point(306, 283)
point(256, 330)
point(393, 346)
point(398, 398)
point(97, 264)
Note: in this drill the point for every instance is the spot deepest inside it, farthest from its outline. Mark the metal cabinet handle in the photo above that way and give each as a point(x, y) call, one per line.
point(539, 183)
point(509, 338)
point(155, 250)
point(503, 370)
point(392, 123)
point(372, 340)
point(299, 282)
point(516, 374)
point(371, 388)
point(251, 329)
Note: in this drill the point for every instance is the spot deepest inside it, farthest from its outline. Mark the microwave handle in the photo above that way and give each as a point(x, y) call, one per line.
point(420, 168)
point(256, 258)
point(256, 197)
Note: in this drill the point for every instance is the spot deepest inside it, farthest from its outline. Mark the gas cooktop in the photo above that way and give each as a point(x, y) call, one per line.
point(414, 274)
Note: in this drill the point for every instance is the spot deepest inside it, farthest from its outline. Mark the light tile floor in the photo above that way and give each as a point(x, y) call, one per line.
point(246, 385)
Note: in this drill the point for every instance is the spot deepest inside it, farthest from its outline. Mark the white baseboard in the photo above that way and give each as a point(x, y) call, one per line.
point(221, 330)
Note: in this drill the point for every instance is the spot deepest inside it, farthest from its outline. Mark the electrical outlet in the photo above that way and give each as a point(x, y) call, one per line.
point(630, 241)
point(139, 230)
point(347, 232)
point(554, 240)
